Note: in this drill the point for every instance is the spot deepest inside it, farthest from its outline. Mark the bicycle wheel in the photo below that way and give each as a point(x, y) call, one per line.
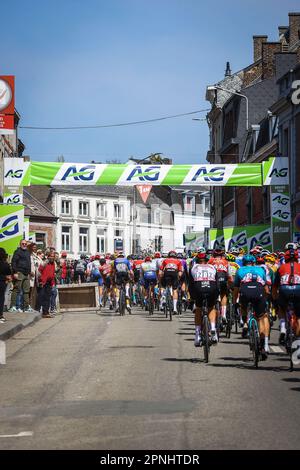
point(151, 301)
point(205, 337)
point(229, 320)
point(254, 342)
point(122, 302)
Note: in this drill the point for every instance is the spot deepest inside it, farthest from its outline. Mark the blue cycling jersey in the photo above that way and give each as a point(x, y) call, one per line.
point(247, 274)
point(122, 265)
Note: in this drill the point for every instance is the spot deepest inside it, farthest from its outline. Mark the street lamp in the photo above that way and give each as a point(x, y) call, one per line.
point(217, 87)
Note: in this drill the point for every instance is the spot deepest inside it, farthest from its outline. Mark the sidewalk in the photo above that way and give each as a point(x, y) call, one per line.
point(17, 322)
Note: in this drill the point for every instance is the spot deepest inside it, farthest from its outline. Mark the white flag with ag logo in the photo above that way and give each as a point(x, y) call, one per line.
point(16, 172)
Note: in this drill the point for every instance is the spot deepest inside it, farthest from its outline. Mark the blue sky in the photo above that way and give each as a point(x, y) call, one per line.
point(95, 62)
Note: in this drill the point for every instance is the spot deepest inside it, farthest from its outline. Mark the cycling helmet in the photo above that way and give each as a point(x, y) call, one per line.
point(82, 256)
point(147, 259)
point(157, 255)
point(234, 250)
point(290, 246)
point(121, 254)
point(102, 261)
point(241, 251)
point(270, 259)
point(260, 259)
point(248, 259)
point(201, 249)
point(97, 256)
point(230, 257)
point(202, 256)
point(63, 254)
point(218, 252)
point(179, 255)
point(264, 252)
point(172, 254)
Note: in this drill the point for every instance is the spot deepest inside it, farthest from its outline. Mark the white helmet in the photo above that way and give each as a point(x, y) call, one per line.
point(291, 246)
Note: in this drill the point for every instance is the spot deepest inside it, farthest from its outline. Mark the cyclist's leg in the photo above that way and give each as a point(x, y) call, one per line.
point(175, 284)
point(223, 301)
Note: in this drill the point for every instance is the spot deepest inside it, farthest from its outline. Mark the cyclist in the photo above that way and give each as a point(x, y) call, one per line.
point(106, 272)
point(222, 267)
point(170, 272)
point(122, 272)
point(250, 283)
point(183, 279)
point(203, 283)
point(80, 269)
point(148, 275)
point(136, 267)
point(287, 289)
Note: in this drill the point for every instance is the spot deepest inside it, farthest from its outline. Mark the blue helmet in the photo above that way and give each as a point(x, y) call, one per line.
point(247, 259)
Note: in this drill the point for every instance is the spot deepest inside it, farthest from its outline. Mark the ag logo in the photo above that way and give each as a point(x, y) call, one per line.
point(14, 174)
point(9, 227)
point(13, 199)
point(296, 93)
point(296, 354)
point(86, 173)
point(150, 173)
point(239, 241)
point(281, 200)
point(214, 174)
point(281, 173)
point(281, 214)
point(262, 239)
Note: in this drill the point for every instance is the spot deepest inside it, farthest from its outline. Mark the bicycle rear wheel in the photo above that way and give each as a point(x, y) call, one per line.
point(205, 338)
point(122, 302)
point(229, 315)
point(254, 342)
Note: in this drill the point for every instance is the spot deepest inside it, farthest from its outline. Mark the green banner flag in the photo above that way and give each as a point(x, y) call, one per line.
point(11, 226)
point(216, 238)
point(235, 237)
point(259, 235)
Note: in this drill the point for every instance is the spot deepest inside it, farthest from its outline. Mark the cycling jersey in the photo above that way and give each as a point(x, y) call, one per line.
point(122, 265)
point(137, 264)
point(204, 272)
point(250, 274)
point(105, 270)
point(203, 284)
point(232, 268)
point(171, 264)
point(220, 264)
point(286, 275)
point(148, 270)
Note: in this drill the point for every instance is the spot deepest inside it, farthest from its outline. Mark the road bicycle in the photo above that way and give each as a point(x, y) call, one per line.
point(229, 315)
point(254, 337)
point(168, 306)
point(205, 330)
point(150, 298)
point(290, 337)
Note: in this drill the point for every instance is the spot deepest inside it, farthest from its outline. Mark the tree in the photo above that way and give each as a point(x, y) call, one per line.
point(60, 159)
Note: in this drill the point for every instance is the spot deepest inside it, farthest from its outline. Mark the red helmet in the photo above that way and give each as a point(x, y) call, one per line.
point(148, 258)
point(202, 256)
point(92, 258)
point(260, 259)
point(97, 256)
point(64, 254)
point(172, 254)
point(157, 255)
point(107, 256)
point(218, 252)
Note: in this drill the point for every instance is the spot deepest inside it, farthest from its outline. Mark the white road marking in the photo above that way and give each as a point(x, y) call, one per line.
point(21, 434)
point(276, 349)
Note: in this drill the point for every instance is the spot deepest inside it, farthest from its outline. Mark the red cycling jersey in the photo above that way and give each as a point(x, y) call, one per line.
point(171, 264)
point(220, 264)
point(285, 276)
point(105, 269)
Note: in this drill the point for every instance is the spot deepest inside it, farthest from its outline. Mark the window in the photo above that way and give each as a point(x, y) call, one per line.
point(206, 205)
point(157, 216)
point(189, 203)
point(66, 207)
point(83, 239)
point(118, 211)
point(83, 208)
point(101, 236)
point(41, 240)
point(102, 209)
point(158, 243)
point(66, 238)
point(119, 233)
point(189, 229)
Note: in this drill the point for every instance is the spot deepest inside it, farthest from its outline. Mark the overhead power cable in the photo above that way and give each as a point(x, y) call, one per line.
point(133, 123)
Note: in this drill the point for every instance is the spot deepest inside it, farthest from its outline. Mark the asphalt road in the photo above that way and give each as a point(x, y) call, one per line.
point(88, 381)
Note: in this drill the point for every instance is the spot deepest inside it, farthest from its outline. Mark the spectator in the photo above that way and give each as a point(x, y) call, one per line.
point(47, 281)
point(5, 275)
point(21, 268)
point(80, 269)
point(32, 248)
point(64, 268)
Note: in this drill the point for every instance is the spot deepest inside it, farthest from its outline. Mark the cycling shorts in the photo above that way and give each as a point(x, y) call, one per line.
point(254, 293)
point(170, 278)
point(199, 292)
point(290, 294)
point(122, 277)
point(148, 281)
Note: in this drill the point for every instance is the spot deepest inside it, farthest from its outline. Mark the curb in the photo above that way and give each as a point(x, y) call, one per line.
point(19, 325)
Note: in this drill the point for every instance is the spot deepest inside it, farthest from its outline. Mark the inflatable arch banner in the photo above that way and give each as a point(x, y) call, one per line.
point(20, 173)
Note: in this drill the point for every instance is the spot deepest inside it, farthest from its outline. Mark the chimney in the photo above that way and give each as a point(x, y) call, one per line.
point(257, 46)
point(282, 30)
point(228, 70)
point(294, 21)
point(268, 58)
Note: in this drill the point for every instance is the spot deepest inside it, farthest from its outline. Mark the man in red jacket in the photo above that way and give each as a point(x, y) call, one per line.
point(47, 280)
